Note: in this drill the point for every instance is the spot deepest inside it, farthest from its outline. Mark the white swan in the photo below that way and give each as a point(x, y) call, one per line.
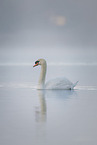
point(59, 83)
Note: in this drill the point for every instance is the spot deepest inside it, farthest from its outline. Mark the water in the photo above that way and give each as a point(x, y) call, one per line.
point(30, 117)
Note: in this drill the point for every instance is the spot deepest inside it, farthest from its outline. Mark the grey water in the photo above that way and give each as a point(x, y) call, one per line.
point(50, 117)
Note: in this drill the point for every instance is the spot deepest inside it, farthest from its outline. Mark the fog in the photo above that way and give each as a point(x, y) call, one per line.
point(64, 30)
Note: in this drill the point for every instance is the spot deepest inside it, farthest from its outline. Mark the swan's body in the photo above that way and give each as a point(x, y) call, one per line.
point(59, 83)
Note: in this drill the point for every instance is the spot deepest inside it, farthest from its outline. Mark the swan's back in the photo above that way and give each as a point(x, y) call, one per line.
point(60, 83)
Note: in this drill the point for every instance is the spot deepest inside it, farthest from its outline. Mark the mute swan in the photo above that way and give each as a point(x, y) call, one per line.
point(58, 83)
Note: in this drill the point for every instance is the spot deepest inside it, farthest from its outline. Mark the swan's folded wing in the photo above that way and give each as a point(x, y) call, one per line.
point(59, 83)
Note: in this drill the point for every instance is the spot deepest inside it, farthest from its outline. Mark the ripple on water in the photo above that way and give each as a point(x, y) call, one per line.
point(91, 88)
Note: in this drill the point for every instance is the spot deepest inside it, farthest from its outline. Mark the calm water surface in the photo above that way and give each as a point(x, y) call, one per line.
point(31, 117)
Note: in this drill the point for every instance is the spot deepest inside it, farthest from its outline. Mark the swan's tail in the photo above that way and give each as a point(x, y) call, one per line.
point(74, 84)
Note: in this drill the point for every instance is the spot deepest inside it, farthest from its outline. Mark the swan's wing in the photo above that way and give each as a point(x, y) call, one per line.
point(59, 83)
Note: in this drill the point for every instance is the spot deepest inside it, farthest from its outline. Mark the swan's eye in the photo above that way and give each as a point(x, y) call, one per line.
point(36, 62)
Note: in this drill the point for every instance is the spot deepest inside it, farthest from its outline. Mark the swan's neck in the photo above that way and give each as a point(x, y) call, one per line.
point(41, 83)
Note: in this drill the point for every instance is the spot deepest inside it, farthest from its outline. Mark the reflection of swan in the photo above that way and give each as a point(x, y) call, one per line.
point(60, 94)
point(41, 110)
point(53, 84)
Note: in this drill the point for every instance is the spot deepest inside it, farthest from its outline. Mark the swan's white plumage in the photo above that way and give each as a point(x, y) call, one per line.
point(58, 83)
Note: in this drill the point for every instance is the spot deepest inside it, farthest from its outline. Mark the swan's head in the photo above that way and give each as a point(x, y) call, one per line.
point(40, 62)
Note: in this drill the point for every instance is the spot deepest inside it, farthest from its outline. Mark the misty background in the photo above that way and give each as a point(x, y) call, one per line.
point(58, 30)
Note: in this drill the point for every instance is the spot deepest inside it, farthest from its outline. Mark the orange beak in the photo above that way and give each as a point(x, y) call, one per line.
point(35, 65)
